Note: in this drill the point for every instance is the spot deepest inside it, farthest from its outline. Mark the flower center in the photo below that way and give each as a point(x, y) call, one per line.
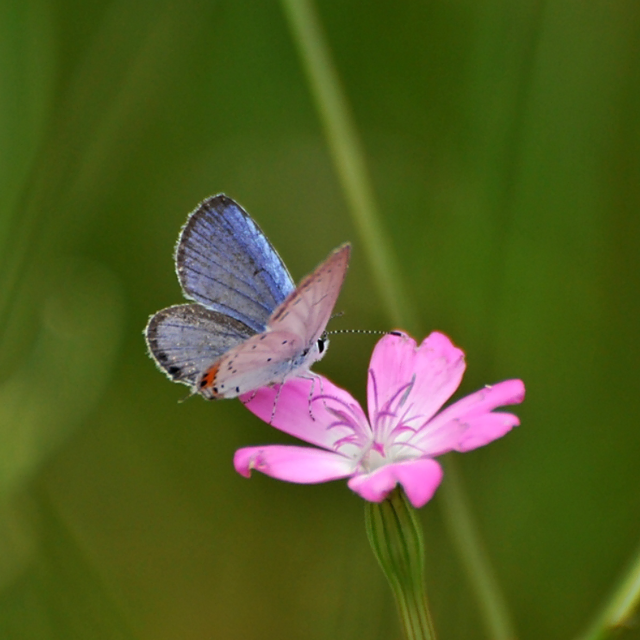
point(374, 457)
point(392, 428)
point(383, 441)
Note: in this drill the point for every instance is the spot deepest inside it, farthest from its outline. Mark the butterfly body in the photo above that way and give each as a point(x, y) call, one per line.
point(249, 326)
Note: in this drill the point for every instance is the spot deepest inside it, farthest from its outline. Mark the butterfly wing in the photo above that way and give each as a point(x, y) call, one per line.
point(290, 344)
point(307, 310)
point(186, 339)
point(260, 361)
point(226, 263)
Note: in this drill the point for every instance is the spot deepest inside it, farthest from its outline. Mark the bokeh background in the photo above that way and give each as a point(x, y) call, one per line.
point(503, 143)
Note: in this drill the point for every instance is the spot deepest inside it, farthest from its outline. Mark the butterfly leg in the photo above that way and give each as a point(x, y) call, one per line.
point(253, 395)
point(275, 403)
point(313, 384)
point(313, 379)
point(324, 402)
point(191, 394)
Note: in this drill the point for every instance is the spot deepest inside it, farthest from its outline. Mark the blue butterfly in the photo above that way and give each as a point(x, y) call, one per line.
point(249, 325)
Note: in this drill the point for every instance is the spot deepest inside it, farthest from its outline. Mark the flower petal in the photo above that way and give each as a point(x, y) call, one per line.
point(469, 423)
point(419, 478)
point(428, 375)
point(485, 429)
point(293, 464)
point(300, 407)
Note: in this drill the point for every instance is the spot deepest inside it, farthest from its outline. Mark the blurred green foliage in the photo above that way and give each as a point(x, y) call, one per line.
point(503, 140)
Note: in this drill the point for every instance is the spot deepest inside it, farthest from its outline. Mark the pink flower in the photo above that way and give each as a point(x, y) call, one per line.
point(404, 433)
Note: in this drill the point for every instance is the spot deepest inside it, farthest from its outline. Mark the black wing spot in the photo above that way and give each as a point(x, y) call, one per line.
point(203, 383)
point(268, 359)
point(174, 371)
point(284, 341)
point(237, 389)
point(254, 346)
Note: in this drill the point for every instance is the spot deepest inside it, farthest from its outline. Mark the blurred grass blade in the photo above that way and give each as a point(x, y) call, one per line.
point(348, 156)
point(457, 514)
point(48, 396)
point(27, 76)
point(619, 611)
point(65, 373)
point(27, 73)
point(96, 114)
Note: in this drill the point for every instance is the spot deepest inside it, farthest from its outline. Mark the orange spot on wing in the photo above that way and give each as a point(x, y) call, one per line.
point(208, 380)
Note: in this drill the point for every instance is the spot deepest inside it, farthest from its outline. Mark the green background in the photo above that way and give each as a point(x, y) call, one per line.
point(503, 143)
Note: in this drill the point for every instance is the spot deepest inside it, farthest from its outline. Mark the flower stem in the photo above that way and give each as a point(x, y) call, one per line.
point(617, 612)
point(396, 538)
point(348, 155)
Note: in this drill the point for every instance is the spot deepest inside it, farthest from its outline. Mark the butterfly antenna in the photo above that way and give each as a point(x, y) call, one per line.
point(370, 331)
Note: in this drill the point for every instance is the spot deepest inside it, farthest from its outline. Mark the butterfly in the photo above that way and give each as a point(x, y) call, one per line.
point(249, 326)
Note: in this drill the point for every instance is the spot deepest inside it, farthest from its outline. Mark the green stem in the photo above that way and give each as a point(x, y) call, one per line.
point(396, 539)
point(348, 156)
point(622, 604)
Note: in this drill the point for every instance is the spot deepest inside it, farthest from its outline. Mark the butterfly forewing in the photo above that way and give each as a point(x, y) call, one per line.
point(186, 339)
point(308, 309)
point(226, 263)
point(289, 346)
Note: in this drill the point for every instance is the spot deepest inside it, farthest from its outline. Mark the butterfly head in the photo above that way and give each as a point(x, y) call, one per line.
point(322, 344)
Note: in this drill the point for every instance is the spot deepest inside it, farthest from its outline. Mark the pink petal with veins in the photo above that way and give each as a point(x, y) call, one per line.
point(469, 422)
point(433, 370)
point(293, 464)
point(303, 416)
point(485, 429)
point(419, 478)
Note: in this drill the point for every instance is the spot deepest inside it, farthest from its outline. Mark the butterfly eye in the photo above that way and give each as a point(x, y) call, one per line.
point(322, 343)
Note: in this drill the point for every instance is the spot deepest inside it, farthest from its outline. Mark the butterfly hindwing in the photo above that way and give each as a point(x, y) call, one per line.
point(226, 263)
point(263, 359)
point(186, 339)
